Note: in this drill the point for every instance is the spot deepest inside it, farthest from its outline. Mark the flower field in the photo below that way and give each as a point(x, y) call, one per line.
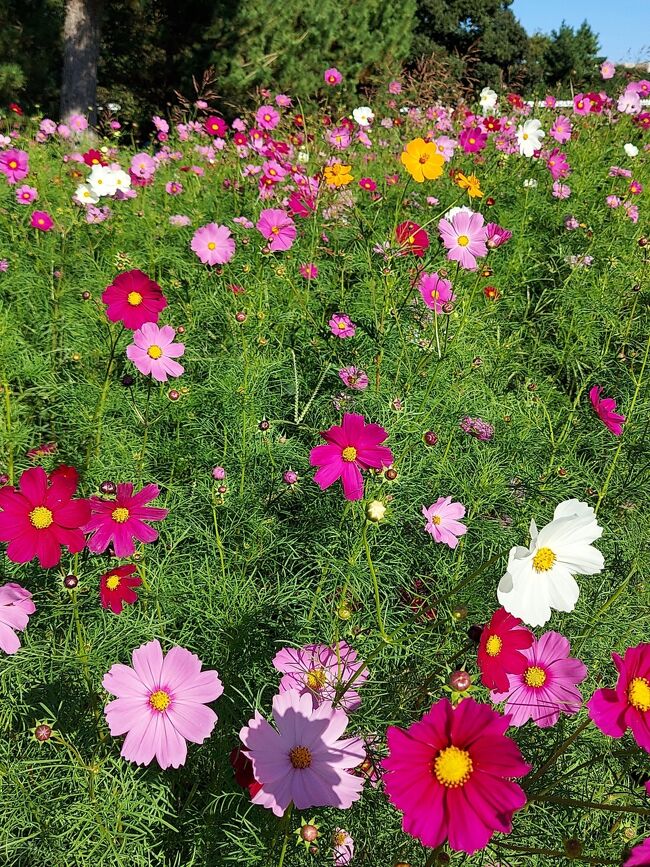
point(323, 484)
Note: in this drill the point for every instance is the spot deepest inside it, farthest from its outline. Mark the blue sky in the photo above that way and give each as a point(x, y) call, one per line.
point(623, 26)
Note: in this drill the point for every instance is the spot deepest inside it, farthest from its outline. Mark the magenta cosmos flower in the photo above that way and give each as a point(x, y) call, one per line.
point(319, 670)
point(342, 326)
point(353, 377)
point(40, 517)
point(278, 228)
point(464, 236)
point(16, 606)
point(304, 760)
point(42, 221)
point(450, 775)
point(121, 520)
point(133, 299)
point(628, 704)
point(547, 686)
point(213, 244)
point(161, 704)
point(500, 649)
point(640, 855)
point(332, 76)
point(153, 351)
point(14, 164)
point(351, 446)
point(435, 291)
point(267, 117)
point(442, 521)
point(605, 409)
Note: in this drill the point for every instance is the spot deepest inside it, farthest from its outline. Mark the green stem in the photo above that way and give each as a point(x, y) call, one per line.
point(591, 805)
point(286, 821)
point(555, 755)
point(375, 584)
point(98, 415)
point(531, 850)
point(10, 447)
point(219, 543)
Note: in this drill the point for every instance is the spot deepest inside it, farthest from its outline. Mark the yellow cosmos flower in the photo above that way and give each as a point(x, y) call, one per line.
point(470, 183)
point(338, 175)
point(421, 160)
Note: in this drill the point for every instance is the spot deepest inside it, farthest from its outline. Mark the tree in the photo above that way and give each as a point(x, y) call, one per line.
point(572, 56)
point(81, 42)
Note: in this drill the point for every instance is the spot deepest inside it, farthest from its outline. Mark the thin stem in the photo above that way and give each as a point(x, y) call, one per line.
point(591, 805)
point(555, 755)
point(286, 821)
point(531, 850)
point(375, 584)
point(10, 445)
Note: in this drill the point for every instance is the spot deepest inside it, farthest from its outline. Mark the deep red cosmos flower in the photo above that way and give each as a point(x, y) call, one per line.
point(216, 126)
point(412, 238)
point(121, 520)
point(499, 650)
point(243, 768)
point(133, 298)
point(115, 588)
point(94, 157)
point(40, 517)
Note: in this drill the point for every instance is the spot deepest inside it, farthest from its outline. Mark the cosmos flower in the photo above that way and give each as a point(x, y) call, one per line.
point(353, 377)
point(451, 775)
point(464, 236)
point(343, 846)
point(42, 221)
point(500, 649)
point(153, 351)
point(319, 670)
point(422, 160)
point(529, 137)
point(640, 855)
point(133, 299)
point(342, 326)
point(332, 76)
point(351, 446)
point(25, 195)
point(605, 409)
point(16, 606)
point(443, 521)
point(161, 704)
point(213, 244)
point(338, 175)
point(215, 126)
point(278, 228)
point(303, 760)
point(122, 519)
point(628, 704)
point(411, 238)
point(547, 686)
point(435, 291)
point(14, 165)
point(116, 587)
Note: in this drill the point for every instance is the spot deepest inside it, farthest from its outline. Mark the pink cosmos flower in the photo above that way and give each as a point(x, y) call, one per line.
point(42, 221)
point(607, 70)
point(476, 427)
point(497, 236)
point(351, 446)
point(308, 271)
point(640, 855)
point(278, 228)
point(283, 100)
point(25, 195)
point(153, 351)
point(464, 236)
point(215, 126)
point(354, 378)
point(557, 164)
point(332, 76)
point(561, 191)
point(121, 520)
point(395, 87)
point(368, 184)
point(143, 166)
point(339, 137)
point(16, 606)
point(342, 326)
point(629, 102)
point(14, 164)
point(445, 147)
point(343, 847)
point(213, 244)
point(605, 408)
point(442, 521)
point(267, 117)
point(628, 704)
point(549, 101)
point(174, 188)
point(435, 291)
point(304, 760)
point(450, 774)
point(133, 298)
point(179, 220)
point(561, 129)
point(319, 670)
point(635, 188)
point(613, 201)
point(547, 686)
point(581, 104)
point(161, 704)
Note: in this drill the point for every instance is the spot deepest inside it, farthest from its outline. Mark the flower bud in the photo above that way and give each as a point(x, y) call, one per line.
point(375, 511)
point(70, 582)
point(459, 681)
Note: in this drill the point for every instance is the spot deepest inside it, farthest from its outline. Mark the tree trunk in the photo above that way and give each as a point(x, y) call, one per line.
point(81, 35)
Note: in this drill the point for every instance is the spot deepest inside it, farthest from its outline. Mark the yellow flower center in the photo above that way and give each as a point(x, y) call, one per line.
point(113, 582)
point(349, 454)
point(543, 560)
point(41, 517)
point(435, 519)
point(154, 351)
point(316, 678)
point(463, 240)
point(211, 245)
point(134, 298)
point(275, 230)
point(493, 645)
point(638, 693)
point(525, 136)
point(159, 700)
point(472, 141)
point(120, 514)
point(535, 676)
point(13, 164)
point(300, 757)
point(453, 767)
point(340, 838)
point(411, 239)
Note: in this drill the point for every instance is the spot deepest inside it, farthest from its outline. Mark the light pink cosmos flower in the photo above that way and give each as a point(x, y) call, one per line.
point(153, 351)
point(161, 704)
point(304, 760)
point(319, 670)
point(547, 686)
point(354, 378)
point(629, 102)
point(343, 847)
point(445, 146)
point(342, 326)
point(435, 291)
point(605, 409)
point(213, 244)
point(607, 70)
point(561, 129)
point(174, 188)
point(179, 220)
point(122, 519)
point(16, 606)
point(442, 521)
point(25, 195)
point(561, 191)
point(278, 228)
point(267, 117)
point(464, 236)
point(143, 166)
point(283, 101)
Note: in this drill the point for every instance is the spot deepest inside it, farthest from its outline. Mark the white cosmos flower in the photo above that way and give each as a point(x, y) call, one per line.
point(85, 195)
point(540, 578)
point(488, 98)
point(102, 181)
point(121, 179)
point(363, 115)
point(529, 137)
point(530, 182)
point(458, 209)
point(630, 149)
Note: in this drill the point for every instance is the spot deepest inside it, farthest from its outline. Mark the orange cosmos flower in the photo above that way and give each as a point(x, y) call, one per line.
point(338, 175)
point(470, 183)
point(421, 160)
